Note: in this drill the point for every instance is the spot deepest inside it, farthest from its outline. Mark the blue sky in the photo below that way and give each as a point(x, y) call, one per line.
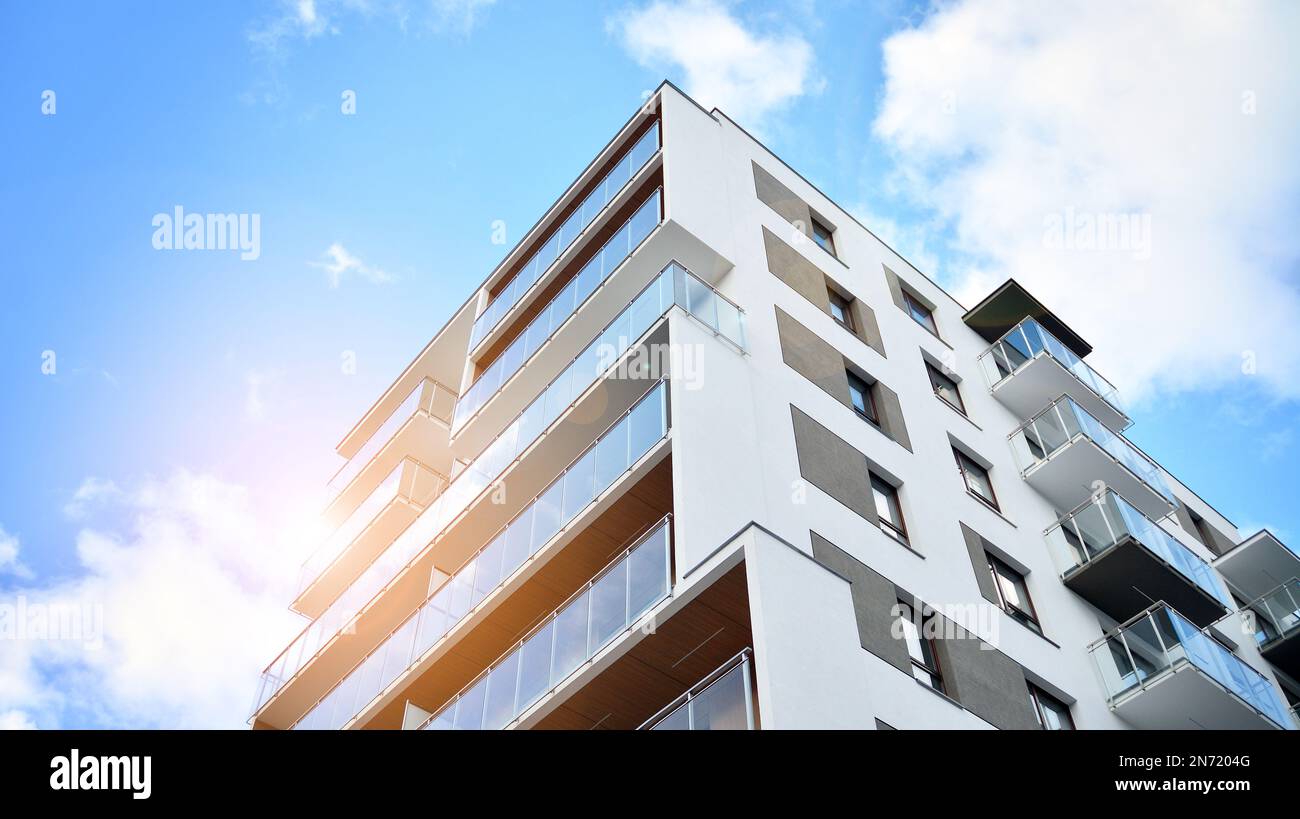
point(195, 397)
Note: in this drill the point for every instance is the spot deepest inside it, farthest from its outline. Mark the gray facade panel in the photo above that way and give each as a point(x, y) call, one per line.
point(832, 465)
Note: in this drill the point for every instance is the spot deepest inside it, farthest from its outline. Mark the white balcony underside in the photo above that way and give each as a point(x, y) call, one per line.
point(1187, 699)
point(1042, 380)
point(1069, 478)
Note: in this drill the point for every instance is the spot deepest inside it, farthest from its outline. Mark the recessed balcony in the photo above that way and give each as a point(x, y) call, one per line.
point(722, 701)
point(1276, 618)
point(1162, 672)
point(1068, 456)
point(1029, 367)
point(1120, 560)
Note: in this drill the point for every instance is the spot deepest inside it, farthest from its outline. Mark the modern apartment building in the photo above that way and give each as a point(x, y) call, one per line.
point(703, 452)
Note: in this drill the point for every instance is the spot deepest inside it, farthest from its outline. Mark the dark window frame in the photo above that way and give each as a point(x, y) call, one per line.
point(870, 413)
point(934, 373)
point(820, 230)
point(1036, 697)
point(929, 666)
point(844, 304)
point(914, 306)
point(962, 460)
point(1029, 618)
point(898, 531)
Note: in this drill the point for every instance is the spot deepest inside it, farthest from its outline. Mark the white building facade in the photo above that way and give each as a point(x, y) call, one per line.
point(703, 452)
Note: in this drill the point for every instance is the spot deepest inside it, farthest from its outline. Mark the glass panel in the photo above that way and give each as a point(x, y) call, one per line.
point(518, 545)
point(645, 424)
point(469, 708)
point(500, 703)
point(546, 515)
point(647, 572)
point(608, 606)
point(535, 665)
point(398, 658)
point(578, 485)
point(433, 622)
point(678, 720)
point(611, 455)
point(488, 571)
point(721, 706)
point(570, 638)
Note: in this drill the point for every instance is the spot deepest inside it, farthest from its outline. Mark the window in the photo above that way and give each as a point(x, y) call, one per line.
point(1013, 593)
point(1053, 715)
point(839, 306)
point(822, 236)
point(864, 403)
point(976, 478)
point(920, 648)
point(945, 388)
point(919, 312)
point(888, 511)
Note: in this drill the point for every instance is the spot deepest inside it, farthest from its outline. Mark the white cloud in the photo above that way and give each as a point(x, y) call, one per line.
point(182, 608)
point(1012, 120)
point(342, 264)
point(92, 491)
point(15, 720)
point(9, 562)
point(746, 74)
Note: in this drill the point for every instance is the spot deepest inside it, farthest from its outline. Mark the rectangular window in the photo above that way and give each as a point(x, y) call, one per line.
point(945, 388)
point(1053, 715)
point(920, 648)
point(1013, 593)
point(839, 307)
point(920, 313)
point(864, 403)
point(976, 478)
point(822, 236)
point(888, 511)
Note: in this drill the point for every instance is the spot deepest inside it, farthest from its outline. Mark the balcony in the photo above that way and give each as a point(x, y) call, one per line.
point(1276, 617)
point(398, 500)
point(1161, 672)
point(1028, 367)
point(1257, 565)
point(722, 701)
point(557, 312)
point(607, 190)
point(1118, 559)
point(1067, 455)
point(620, 449)
point(609, 605)
point(429, 399)
point(535, 422)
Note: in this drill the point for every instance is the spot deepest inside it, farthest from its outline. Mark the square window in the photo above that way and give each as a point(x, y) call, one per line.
point(889, 513)
point(1013, 593)
point(822, 235)
point(976, 479)
point(864, 403)
point(945, 388)
point(839, 307)
point(1053, 715)
point(921, 314)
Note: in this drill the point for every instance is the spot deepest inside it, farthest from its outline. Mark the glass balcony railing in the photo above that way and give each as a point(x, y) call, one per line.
point(410, 482)
point(559, 241)
point(471, 481)
point(608, 605)
point(433, 399)
point(1276, 614)
point(1027, 340)
point(1107, 520)
point(1160, 641)
point(1064, 422)
point(557, 312)
point(619, 449)
point(722, 701)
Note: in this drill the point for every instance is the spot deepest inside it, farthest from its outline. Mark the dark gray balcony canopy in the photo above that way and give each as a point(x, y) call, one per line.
point(1010, 304)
